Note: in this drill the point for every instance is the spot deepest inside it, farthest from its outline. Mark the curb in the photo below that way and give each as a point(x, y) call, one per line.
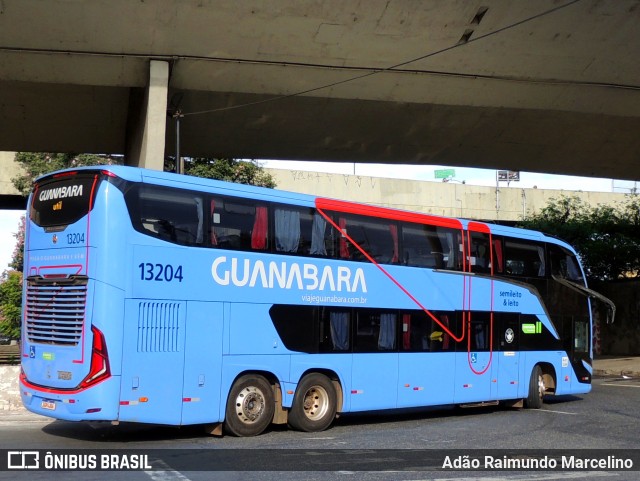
point(616, 373)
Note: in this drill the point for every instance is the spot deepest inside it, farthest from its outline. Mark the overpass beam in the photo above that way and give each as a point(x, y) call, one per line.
point(147, 119)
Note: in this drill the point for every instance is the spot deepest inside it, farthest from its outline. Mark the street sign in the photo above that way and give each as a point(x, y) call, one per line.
point(444, 173)
point(509, 175)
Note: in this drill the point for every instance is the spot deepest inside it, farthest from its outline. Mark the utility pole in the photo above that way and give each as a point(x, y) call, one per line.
point(177, 115)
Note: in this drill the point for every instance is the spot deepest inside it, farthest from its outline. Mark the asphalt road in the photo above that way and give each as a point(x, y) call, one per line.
point(371, 447)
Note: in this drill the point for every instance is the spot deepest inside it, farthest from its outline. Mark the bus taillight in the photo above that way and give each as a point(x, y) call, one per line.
point(99, 360)
point(65, 174)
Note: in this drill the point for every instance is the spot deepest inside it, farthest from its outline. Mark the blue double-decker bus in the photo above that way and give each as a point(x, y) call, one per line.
point(157, 298)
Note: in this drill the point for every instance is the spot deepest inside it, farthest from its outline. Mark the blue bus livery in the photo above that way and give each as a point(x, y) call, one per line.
point(157, 298)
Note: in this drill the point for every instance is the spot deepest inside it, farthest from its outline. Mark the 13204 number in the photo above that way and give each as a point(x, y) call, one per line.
point(75, 238)
point(160, 272)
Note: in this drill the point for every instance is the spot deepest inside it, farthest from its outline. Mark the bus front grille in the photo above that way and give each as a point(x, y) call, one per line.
point(55, 310)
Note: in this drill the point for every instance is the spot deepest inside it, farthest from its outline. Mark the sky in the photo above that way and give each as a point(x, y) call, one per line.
point(472, 176)
point(9, 219)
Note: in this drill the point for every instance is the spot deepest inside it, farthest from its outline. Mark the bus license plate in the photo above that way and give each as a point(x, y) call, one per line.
point(50, 405)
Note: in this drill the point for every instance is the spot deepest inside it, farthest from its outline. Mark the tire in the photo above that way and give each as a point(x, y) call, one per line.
point(314, 404)
point(250, 406)
point(536, 389)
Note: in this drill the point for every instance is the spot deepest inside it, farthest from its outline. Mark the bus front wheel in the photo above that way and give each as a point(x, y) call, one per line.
point(536, 389)
point(250, 406)
point(314, 404)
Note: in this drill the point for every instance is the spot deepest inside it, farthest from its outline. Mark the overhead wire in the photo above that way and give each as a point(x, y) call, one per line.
point(386, 69)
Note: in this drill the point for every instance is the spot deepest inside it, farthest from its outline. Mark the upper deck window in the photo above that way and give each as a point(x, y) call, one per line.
point(299, 230)
point(524, 258)
point(240, 225)
point(377, 237)
point(170, 214)
point(430, 246)
point(479, 257)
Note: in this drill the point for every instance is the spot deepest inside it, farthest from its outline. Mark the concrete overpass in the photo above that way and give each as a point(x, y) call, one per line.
point(506, 204)
point(546, 86)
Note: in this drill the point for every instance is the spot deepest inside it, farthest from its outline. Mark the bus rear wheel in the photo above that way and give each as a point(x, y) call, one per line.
point(250, 406)
point(314, 404)
point(536, 389)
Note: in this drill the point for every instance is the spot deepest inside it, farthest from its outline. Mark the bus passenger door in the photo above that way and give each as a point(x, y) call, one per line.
point(507, 355)
point(475, 364)
point(152, 361)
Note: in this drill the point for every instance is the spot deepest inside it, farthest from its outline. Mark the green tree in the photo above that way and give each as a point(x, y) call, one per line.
point(10, 304)
point(232, 170)
point(17, 260)
point(40, 163)
point(606, 237)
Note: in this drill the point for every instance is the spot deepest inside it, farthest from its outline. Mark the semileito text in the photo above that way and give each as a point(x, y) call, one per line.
point(283, 275)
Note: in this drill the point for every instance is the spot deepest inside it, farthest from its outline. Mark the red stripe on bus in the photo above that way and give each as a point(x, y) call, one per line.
point(385, 213)
point(393, 279)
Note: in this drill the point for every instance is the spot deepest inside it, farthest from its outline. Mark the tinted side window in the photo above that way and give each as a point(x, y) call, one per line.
point(564, 264)
point(296, 326)
point(479, 252)
point(420, 333)
point(335, 330)
point(375, 330)
point(430, 246)
point(480, 331)
point(239, 225)
point(416, 332)
point(302, 231)
point(378, 238)
point(581, 342)
point(172, 215)
point(525, 259)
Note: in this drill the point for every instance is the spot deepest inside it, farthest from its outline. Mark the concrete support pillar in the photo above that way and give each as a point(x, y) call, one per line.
point(147, 121)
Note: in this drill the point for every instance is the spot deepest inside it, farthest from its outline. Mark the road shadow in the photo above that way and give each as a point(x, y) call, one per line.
point(108, 435)
point(123, 433)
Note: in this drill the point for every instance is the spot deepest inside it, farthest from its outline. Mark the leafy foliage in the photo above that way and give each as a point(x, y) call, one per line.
point(232, 170)
point(10, 304)
point(37, 164)
point(17, 260)
point(606, 237)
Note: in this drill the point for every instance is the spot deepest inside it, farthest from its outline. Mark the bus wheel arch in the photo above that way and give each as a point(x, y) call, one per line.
point(315, 402)
point(541, 382)
point(250, 405)
point(549, 377)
